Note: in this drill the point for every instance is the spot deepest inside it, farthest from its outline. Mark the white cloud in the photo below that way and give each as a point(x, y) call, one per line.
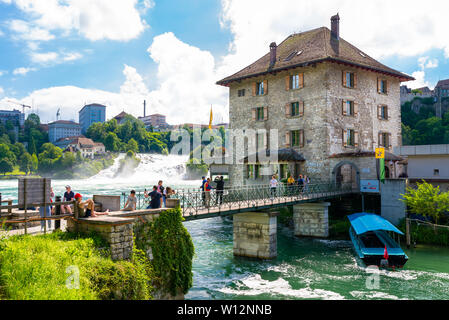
point(186, 77)
point(1, 91)
point(419, 81)
point(3, 72)
point(44, 57)
point(22, 71)
point(53, 58)
point(427, 63)
point(399, 30)
point(95, 20)
point(25, 31)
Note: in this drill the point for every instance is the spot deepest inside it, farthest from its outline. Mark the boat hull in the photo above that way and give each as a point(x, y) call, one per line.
point(374, 256)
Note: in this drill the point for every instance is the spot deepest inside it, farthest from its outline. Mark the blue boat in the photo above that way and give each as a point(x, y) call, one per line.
point(369, 236)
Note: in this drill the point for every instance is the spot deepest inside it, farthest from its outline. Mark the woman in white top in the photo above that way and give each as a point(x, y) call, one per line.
point(273, 186)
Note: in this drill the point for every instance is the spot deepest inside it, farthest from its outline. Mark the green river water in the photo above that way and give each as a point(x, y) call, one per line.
point(304, 268)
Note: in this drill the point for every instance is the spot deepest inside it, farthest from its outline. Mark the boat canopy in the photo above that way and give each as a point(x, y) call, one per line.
point(364, 222)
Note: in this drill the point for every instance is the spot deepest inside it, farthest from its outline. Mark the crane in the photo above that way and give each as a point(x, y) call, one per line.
point(19, 104)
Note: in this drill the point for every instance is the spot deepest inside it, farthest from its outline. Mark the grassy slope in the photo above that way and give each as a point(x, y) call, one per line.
point(34, 267)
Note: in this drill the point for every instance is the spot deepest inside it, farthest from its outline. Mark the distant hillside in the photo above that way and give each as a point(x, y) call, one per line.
point(420, 125)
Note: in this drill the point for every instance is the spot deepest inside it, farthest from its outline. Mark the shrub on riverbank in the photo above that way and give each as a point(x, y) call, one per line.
point(37, 268)
point(426, 234)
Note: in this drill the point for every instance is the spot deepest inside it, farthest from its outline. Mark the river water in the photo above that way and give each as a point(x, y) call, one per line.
point(304, 268)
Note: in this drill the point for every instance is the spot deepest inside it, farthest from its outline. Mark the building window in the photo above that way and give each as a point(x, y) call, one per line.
point(349, 79)
point(436, 172)
point(260, 89)
point(294, 82)
point(250, 171)
point(382, 86)
point(297, 138)
point(295, 109)
point(257, 171)
point(382, 112)
point(260, 114)
point(384, 139)
point(350, 138)
point(348, 108)
point(241, 93)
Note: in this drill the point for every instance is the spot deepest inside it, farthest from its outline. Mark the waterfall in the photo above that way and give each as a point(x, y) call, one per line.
point(152, 168)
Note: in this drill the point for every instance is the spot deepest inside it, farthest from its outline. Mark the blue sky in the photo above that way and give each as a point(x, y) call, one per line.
point(62, 53)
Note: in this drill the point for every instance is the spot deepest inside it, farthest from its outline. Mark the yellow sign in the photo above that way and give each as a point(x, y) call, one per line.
point(380, 153)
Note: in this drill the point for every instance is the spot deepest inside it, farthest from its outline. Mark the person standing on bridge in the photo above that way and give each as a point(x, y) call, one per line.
point(290, 184)
point(220, 187)
point(300, 183)
point(207, 190)
point(156, 198)
point(273, 186)
point(203, 194)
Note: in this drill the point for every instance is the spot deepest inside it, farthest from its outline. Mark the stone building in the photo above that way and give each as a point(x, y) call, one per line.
point(331, 103)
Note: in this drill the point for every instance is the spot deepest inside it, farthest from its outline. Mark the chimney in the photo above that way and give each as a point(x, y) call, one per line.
point(273, 47)
point(335, 27)
point(144, 108)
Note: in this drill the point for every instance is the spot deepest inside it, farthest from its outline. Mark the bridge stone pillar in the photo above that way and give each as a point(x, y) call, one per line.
point(311, 219)
point(255, 235)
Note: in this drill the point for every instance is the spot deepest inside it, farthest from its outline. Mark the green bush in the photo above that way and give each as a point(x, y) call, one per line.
point(426, 234)
point(173, 252)
point(34, 268)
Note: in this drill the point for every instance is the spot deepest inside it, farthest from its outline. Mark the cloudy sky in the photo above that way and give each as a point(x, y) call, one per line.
point(65, 53)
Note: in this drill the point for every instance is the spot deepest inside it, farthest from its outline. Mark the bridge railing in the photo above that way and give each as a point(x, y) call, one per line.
point(194, 202)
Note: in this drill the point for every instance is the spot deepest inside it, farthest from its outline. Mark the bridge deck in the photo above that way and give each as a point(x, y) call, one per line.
point(230, 208)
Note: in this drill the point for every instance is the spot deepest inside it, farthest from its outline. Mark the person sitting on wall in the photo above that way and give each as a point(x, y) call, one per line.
point(156, 198)
point(87, 208)
point(68, 196)
point(131, 203)
point(170, 192)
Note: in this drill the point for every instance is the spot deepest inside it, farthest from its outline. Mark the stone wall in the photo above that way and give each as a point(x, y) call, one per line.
point(311, 219)
point(118, 232)
point(255, 235)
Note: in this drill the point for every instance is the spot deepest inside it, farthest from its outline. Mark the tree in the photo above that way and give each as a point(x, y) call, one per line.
point(427, 201)
point(5, 166)
point(112, 142)
point(132, 146)
point(35, 163)
point(26, 163)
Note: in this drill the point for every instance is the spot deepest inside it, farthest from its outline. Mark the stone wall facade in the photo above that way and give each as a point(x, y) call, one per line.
point(118, 235)
point(311, 219)
point(255, 235)
point(323, 121)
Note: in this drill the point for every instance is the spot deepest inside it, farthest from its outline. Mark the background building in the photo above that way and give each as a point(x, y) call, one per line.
point(157, 121)
point(90, 114)
point(427, 162)
point(62, 129)
point(15, 116)
point(121, 117)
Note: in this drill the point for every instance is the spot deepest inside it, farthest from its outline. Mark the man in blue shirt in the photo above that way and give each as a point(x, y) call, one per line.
point(68, 196)
point(156, 199)
point(203, 194)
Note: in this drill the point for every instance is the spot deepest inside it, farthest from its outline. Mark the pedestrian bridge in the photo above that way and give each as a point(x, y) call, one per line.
point(255, 198)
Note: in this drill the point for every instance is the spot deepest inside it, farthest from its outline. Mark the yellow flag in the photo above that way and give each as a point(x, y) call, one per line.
point(211, 117)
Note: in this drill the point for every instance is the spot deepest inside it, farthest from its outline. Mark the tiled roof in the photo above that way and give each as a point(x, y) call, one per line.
point(314, 46)
point(64, 122)
point(443, 83)
point(121, 115)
